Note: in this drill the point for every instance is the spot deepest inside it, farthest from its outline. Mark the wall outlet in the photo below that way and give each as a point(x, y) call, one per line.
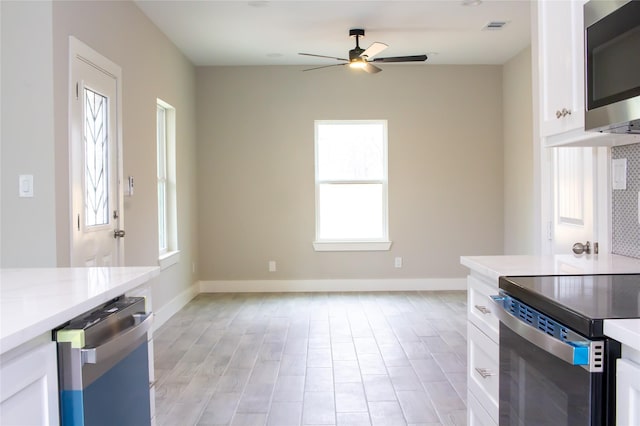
point(398, 262)
point(272, 266)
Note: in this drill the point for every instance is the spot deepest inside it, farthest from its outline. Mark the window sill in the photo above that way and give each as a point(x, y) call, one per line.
point(351, 245)
point(167, 259)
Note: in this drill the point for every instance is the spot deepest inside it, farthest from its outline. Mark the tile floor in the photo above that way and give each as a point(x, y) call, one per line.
point(392, 358)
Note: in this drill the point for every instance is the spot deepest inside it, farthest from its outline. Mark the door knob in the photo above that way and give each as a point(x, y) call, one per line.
point(579, 248)
point(118, 233)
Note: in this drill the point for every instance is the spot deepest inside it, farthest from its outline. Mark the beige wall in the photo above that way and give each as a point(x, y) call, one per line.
point(34, 116)
point(27, 225)
point(256, 168)
point(518, 155)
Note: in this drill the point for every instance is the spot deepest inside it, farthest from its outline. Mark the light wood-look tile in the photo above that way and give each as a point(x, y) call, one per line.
point(293, 359)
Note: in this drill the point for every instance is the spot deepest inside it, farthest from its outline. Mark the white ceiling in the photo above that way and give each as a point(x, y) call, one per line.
point(240, 32)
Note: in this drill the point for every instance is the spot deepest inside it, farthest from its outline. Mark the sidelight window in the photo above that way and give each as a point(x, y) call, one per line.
point(166, 183)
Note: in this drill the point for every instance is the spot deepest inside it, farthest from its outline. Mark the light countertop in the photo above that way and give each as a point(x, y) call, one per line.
point(34, 301)
point(563, 264)
point(626, 331)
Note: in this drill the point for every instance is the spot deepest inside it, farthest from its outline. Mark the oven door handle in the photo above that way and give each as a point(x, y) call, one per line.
point(572, 352)
point(121, 342)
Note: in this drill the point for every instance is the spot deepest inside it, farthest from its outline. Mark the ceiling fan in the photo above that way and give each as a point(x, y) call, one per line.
point(360, 58)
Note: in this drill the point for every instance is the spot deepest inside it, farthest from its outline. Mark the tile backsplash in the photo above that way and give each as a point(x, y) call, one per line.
point(626, 230)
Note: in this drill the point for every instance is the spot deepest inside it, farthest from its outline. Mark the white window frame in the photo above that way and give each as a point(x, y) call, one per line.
point(166, 182)
point(373, 244)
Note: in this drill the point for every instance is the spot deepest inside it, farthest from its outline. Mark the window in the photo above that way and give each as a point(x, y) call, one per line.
point(351, 185)
point(96, 150)
point(167, 221)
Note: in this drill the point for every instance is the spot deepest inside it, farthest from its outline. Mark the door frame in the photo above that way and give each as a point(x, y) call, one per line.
point(80, 51)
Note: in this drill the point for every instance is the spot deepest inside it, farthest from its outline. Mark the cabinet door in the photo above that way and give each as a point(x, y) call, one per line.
point(476, 414)
point(561, 52)
point(483, 361)
point(479, 306)
point(29, 388)
point(628, 393)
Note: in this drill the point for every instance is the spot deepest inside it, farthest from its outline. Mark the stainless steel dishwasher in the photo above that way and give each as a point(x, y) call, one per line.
point(103, 366)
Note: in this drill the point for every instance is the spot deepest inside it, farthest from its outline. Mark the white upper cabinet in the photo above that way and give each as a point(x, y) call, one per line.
point(561, 66)
point(559, 62)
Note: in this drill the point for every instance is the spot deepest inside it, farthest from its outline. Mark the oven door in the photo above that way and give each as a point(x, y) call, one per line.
point(541, 379)
point(537, 388)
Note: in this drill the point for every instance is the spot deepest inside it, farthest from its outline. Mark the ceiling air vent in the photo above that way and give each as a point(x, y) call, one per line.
point(495, 25)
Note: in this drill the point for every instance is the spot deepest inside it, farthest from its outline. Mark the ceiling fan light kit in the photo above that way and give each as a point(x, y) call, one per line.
point(360, 58)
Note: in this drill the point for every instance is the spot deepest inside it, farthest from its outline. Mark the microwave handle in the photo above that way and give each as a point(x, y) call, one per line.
point(574, 353)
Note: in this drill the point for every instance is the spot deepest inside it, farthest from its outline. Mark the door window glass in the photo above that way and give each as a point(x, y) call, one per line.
point(96, 147)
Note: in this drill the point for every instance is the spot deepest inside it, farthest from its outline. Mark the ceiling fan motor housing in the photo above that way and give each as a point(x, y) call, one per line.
point(355, 53)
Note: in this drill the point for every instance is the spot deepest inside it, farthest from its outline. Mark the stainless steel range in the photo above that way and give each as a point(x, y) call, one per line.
point(556, 365)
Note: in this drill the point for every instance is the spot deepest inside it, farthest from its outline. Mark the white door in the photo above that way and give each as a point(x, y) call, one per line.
point(96, 161)
point(574, 198)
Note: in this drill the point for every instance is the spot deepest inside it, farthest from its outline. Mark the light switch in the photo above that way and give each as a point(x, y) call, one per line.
point(619, 172)
point(25, 186)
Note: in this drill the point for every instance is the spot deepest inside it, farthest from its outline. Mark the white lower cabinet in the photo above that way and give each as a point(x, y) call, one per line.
point(29, 388)
point(483, 361)
point(627, 393)
point(479, 306)
point(476, 414)
point(483, 356)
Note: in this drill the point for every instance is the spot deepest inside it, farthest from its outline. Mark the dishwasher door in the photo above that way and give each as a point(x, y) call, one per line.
point(103, 364)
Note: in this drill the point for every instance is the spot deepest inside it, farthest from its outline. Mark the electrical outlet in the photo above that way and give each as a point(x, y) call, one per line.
point(398, 262)
point(272, 266)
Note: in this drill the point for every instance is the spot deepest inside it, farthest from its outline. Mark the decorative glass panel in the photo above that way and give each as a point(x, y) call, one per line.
point(96, 148)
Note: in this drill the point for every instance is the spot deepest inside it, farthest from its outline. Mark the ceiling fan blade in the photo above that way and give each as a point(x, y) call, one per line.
point(371, 69)
point(324, 66)
point(323, 56)
point(374, 49)
point(415, 58)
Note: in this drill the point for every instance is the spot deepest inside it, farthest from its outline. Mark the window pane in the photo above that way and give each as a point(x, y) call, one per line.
point(162, 219)
point(96, 150)
point(350, 151)
point(162, 144)
point(350, 211)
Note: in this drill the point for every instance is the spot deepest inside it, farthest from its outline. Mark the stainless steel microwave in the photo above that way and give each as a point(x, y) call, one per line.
point(612, 66)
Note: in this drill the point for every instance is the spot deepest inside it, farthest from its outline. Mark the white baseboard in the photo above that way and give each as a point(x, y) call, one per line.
point(174, 305)
point(268, 286)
